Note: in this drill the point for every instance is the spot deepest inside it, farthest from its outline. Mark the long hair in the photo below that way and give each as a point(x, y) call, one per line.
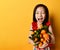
point(46, 12)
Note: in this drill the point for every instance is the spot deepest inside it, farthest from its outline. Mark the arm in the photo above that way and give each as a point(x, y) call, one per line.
point(52, 37)
point(29, 40)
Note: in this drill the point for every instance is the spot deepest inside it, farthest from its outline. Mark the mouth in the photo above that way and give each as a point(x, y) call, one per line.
point(40, 18)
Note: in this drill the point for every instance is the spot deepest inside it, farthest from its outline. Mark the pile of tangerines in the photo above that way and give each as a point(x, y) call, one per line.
point(40, 37)
point(44, 37)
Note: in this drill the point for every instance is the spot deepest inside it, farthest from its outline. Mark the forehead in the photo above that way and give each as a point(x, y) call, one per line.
point(40, 9)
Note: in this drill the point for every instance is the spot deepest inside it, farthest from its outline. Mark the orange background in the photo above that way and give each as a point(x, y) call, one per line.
point(15, 20)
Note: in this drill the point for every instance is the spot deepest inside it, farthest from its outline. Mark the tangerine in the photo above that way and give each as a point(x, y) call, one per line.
point(41, 35)
point(43, 31)
point(46, 36)
point(36, 39)
point(42, 39)
point(40, 44)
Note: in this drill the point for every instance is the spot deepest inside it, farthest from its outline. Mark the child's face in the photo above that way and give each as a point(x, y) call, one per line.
point(40, 14)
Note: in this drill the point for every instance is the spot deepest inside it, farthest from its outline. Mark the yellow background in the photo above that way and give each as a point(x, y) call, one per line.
point(15, 20)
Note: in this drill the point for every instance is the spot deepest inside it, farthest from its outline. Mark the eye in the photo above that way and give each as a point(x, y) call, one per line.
point(43, 12)
point(37, 12)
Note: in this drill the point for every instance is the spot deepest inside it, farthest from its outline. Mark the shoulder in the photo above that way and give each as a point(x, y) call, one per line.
point(34, 25)
point(49, 26)
point(50, 29)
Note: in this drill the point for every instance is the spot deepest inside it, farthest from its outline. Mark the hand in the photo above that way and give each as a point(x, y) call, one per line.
point(44, 45)
point(30, 42)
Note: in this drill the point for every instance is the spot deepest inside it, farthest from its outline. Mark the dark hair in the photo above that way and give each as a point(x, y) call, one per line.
point(46, 11)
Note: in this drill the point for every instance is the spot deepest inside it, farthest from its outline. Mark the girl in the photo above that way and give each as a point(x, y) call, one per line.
point(40, 17)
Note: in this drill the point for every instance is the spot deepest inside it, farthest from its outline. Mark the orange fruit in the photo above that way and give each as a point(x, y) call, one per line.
point(36, 39)
point(42, 39)
point(40, 35)
point(43, 31)
point(40, 44)
point(46, 36)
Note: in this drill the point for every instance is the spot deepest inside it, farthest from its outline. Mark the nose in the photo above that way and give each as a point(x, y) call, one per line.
point(40, 15)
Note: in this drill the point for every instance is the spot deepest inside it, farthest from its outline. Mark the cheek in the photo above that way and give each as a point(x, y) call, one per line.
point(36, 16)
point(43, 16)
